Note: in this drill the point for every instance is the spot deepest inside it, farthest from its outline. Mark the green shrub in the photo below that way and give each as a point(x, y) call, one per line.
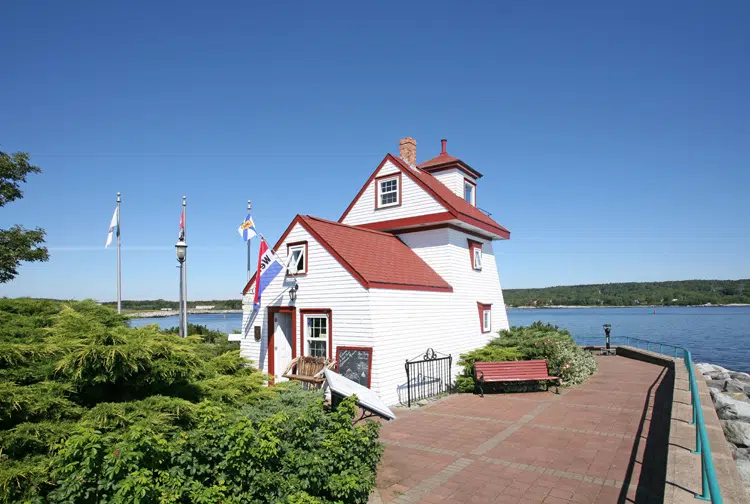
point(94, 411)
point(538, 341)
point(465, 382)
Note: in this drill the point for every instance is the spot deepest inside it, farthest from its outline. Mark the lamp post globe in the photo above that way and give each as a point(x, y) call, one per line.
point(181, 250)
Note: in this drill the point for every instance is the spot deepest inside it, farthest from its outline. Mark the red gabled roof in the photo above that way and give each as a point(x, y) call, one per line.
point(377, 260)
point(440, 159)
point(467, 212)
point(445, 161)
point(457, 207)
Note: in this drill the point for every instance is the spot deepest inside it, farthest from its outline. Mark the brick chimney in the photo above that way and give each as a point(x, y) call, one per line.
point(408, 150)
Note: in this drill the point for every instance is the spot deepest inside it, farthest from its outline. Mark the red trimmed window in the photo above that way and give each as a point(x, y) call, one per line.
point(296, 254)
point(470, 191)
point(316, 332)
point(485, 316)
point(475, 252)
point(388, 191)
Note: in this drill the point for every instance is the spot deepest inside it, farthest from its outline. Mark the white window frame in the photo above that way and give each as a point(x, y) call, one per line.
point(486, 320)
point(302, 249)
point(397, 191)
point(473, 200)
point(309, 338)
point(477, 258)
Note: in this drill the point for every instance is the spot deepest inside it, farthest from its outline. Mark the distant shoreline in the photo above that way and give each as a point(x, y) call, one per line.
point(560, 307)
point(174, 313)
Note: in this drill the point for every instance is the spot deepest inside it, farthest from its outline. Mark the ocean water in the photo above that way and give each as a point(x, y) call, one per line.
point(720, 335)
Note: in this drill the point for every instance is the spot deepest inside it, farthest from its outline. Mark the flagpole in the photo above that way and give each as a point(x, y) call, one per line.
point(184, 270)
point(119, 267)
point(249, 254)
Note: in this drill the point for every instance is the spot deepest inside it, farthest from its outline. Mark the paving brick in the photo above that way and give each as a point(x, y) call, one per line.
point(579, 447)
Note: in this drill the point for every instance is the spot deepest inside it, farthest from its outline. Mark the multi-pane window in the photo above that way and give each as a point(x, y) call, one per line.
point(388, 192)
point(316, 335)
point(469, 191)
point(297, 259)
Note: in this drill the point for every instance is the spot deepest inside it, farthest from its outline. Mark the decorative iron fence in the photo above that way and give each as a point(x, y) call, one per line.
point(428, 375)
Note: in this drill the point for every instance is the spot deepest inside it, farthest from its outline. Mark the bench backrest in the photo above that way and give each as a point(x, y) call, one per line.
point(513, 370)
point(310, 366)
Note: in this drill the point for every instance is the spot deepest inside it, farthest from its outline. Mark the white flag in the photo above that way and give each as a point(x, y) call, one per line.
point(112, 225)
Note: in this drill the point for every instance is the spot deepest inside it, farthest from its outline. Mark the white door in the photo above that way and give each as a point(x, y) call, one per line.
point(282, 343)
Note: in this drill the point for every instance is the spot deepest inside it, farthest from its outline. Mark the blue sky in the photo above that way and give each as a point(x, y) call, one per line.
point(613, 138)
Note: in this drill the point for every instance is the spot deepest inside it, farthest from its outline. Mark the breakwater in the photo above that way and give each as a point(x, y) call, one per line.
point(730, 392)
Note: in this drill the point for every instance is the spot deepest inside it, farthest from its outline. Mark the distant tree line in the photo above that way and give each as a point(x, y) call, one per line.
point(683, 293)
point(158, 304)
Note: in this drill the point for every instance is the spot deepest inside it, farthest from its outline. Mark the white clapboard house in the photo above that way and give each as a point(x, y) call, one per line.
point(410, 265)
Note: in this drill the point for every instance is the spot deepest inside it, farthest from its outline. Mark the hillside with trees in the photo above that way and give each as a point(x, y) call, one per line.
point(158, 304)
point(682, 293)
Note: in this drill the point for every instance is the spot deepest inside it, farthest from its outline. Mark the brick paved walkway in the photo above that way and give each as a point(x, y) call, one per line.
point(601, 442)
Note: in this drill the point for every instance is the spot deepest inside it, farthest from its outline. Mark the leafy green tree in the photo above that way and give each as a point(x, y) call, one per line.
point(17, 244)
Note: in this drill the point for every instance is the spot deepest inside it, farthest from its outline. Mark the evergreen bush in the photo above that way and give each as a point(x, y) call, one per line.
point(536, 341)
point(94, 411)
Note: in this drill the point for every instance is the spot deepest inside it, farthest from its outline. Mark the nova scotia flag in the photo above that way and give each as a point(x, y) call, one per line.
point(247, 228)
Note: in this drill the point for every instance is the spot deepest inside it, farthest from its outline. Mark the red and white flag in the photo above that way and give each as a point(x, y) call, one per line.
point(181, 235)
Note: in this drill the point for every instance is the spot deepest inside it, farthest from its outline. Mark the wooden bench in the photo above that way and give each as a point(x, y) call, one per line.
point(309, 370)
point(513, 371)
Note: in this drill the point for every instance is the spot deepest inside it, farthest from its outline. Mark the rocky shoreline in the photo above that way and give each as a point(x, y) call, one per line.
point(730, 391)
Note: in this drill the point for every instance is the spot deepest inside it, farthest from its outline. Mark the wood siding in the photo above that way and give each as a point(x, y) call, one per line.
point(326, 285)
point(454, 180)
point(414, 202)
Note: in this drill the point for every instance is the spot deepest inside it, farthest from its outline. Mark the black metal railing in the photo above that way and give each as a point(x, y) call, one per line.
point(428, 375)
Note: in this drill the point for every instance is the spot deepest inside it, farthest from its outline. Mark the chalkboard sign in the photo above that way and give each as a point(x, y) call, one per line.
point(355, 363)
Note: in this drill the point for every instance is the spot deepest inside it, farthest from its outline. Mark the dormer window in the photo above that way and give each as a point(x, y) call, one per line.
point(297, 255)
point(470, 192)
point(388, 191)
point(475, 251)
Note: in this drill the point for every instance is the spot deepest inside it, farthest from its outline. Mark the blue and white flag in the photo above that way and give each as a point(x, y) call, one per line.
point(113, 224)
point(247, 229)
point(269, 266)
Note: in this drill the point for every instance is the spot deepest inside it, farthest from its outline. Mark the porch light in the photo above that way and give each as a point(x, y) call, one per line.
point(293, 292)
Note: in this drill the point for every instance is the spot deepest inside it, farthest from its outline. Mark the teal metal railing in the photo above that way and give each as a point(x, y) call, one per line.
point(710, 485)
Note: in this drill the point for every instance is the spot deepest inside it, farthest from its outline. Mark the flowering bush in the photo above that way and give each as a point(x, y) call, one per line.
point(537, 341)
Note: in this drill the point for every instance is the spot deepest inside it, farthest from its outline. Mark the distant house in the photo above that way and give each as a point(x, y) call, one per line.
point(165, 309)
point(204, 307)
point(409, 265)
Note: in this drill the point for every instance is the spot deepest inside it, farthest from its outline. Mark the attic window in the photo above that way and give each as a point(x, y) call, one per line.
point(470, 192)
point(297, 255)
point(475, 253)
point(389, 191)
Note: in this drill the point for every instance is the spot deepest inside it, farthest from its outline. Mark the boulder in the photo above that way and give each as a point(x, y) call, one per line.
point(734, 385)
point(743, 377)
point(718, 375)
point(737, 433)
point(715, 384)
point(705, 367)
point(740, 453)
point(729, 408)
